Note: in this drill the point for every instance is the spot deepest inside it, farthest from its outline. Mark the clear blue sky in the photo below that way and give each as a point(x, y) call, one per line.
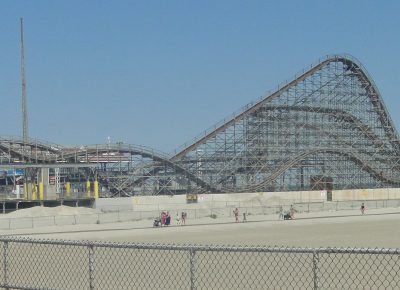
point(158, 73)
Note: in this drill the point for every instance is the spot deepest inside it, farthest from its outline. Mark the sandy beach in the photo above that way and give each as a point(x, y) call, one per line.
point(377, 228)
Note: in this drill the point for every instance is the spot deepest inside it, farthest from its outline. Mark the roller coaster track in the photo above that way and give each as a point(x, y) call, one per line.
point(338, 115)
point(374, 95)
point(342, 152)
point(17, 148)
point(353, 65)
point(92, 154)
point(349, 146)
point(144, 152)
point(372, 92)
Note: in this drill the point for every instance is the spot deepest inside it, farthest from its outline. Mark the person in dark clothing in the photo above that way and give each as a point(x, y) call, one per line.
point(362, 208)
point(168, 219)
point(183, 217)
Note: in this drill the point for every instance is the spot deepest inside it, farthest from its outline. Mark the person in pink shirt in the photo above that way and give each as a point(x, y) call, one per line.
point(163, 218)
point(236, 213)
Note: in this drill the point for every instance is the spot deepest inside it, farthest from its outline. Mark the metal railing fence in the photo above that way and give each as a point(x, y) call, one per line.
point(305, 206)
point(220, 211)
point(60, 264)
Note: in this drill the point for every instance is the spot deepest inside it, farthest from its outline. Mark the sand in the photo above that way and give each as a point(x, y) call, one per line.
point(378, 228)
point(41, 211)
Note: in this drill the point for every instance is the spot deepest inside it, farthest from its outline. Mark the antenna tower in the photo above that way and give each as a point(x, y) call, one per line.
point(23, 95)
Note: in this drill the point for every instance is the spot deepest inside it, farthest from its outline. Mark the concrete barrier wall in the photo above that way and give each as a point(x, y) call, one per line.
point(251, 199)
point(366, 194)
point(394, 193)
point(123, 203)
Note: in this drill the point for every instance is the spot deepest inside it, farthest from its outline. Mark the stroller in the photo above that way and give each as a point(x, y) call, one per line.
point(287, 216)
point(157, 222)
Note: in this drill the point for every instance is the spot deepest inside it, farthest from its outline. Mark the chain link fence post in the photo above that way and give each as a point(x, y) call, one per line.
point(192, 269)
point(91, 267)
point(315, 269)
point(5, 264)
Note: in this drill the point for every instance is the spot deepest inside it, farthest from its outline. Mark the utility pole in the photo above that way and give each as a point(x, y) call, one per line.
point(23, 95)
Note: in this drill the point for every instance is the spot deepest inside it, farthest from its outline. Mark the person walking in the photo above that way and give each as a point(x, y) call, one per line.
point(167, 219)
point(183, 218)
point(236, 214)
point(281, 216)
point(163, 218)
point(292, 211)
point(362, 208)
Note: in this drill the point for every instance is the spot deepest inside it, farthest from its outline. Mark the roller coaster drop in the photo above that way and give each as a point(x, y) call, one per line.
point(326, 129)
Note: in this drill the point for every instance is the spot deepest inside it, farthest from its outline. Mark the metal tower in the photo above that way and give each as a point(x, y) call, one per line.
point(23, 82)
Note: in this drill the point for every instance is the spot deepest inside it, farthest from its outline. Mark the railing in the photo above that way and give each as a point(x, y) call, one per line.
point(7, 194)
point(60, 264)
point(30, 141)
point(218, 211)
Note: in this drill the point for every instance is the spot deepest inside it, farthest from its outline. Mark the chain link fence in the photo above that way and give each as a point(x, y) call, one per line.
point(55, 264)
